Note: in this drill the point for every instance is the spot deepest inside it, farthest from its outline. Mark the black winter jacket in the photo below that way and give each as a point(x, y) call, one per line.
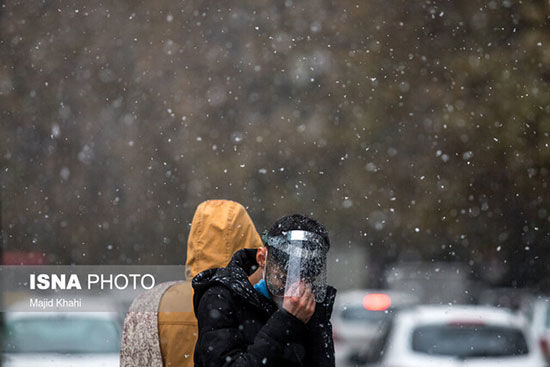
point(240, 327)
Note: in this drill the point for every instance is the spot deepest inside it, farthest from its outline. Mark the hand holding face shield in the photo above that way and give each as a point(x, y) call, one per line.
point(296, 263)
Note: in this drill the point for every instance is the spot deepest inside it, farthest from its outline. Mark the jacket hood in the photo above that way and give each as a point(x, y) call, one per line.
point(218, 230)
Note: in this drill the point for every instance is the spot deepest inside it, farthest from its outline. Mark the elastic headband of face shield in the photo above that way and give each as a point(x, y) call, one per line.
point(296, 256)
point(298, 243)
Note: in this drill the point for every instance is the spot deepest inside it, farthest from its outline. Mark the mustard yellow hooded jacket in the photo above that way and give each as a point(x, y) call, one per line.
point(218, 230)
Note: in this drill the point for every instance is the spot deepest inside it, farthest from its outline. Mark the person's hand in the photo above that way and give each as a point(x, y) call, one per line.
point(300, 302)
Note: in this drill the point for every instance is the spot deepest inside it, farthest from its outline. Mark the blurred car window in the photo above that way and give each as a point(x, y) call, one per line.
point(359, 313)
point(61, 334)
point(469, 341)
point(459, 335)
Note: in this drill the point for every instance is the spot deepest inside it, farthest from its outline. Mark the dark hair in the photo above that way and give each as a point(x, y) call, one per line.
point(300, 222)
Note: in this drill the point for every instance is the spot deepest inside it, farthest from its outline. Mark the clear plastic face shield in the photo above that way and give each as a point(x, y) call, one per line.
point(294, 257)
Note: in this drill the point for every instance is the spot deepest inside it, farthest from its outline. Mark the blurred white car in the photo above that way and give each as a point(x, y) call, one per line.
point(455, 336)
point(538, 312)
point(360, 316)
point(61, 339)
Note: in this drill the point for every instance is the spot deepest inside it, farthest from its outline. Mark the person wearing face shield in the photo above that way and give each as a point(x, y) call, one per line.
point(282, 319)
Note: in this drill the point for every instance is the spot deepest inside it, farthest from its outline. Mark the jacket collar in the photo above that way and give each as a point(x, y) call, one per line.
point(235, 277)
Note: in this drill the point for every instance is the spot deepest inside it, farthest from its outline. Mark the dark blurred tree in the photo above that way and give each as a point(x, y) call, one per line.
point(419, 130)
point(470, 84)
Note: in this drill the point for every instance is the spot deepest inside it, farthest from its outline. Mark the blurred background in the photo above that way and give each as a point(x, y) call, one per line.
point(418, 132)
